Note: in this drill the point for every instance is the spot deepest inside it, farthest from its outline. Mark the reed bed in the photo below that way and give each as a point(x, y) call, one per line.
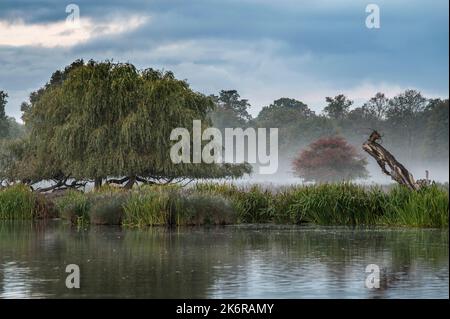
point(156, 206)
point(338, 204)
point(16, 202)
point(218, 204)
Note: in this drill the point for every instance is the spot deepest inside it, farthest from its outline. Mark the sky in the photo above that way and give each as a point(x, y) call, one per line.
point(265, 49)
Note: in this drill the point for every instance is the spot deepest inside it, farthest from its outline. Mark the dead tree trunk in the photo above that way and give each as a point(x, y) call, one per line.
point(387, 162)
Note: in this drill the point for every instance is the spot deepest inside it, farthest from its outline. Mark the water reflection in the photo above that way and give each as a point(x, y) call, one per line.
point(225, 262)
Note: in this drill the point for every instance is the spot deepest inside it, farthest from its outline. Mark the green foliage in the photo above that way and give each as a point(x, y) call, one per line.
point(100, 119)
point(284, 112)
point(338, 107)
point(102, 207)
point(428, 207)
point(4, 124)
point(253, 205)
point(202, 209)
point(230, 110)
point(156, 206)
point(16, 202)
point(412, 125)
point(148, 207)
point(107, 209)
point(218, 204)
point(436, 141)
point(74, 206)
point(337, 204)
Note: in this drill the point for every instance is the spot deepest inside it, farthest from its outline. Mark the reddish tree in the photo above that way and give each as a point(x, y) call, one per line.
point(330, 159)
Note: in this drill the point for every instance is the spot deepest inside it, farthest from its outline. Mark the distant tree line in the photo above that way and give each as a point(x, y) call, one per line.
point(110, 122)
point(413, 126)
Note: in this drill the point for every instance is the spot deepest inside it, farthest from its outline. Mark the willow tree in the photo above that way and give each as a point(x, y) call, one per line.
point(110, 121)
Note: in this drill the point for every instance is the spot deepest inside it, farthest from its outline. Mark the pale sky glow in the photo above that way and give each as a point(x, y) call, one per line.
point(63, 34)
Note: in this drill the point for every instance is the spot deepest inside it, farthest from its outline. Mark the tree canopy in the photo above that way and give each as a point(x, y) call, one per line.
point(338, 106)
point(98, 120)
point(330, 159)
point(230, 110)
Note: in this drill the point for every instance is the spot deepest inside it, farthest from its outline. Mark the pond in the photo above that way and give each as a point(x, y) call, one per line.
point(251, 261)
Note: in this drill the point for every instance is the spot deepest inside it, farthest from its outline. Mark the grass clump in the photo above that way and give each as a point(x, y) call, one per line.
point(148, 206)
point(17, 202)
point(107, 209)
point(253, 205)
point(202, 209)
point(157, 206)
point(74, 206)
point(337, 204)
point(428, 207)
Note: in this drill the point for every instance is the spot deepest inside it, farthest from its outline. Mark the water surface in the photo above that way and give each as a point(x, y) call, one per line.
point(252, 261)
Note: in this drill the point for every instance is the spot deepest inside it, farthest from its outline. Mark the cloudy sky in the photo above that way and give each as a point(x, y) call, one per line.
point(263, 48)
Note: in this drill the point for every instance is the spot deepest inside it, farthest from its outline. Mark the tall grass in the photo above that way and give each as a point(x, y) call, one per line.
point(338, 204)
point(327, 204)
point(107, 209)
point(148, 207)
point(428, 207)
point(16, 202)
point(74, 206)
point(191, 208)
point(254, 205)
point(156, 206)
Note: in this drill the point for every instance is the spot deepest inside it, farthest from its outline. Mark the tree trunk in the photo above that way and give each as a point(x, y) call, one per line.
point(130, 183)
point(394, 169)
point(98, 182)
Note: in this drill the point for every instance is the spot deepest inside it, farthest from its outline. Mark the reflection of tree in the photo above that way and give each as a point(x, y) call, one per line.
point(152, 263)
point(341, 255)
point(258, 261)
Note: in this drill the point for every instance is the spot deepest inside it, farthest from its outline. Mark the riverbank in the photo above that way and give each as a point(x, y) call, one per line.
point(221, 204)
